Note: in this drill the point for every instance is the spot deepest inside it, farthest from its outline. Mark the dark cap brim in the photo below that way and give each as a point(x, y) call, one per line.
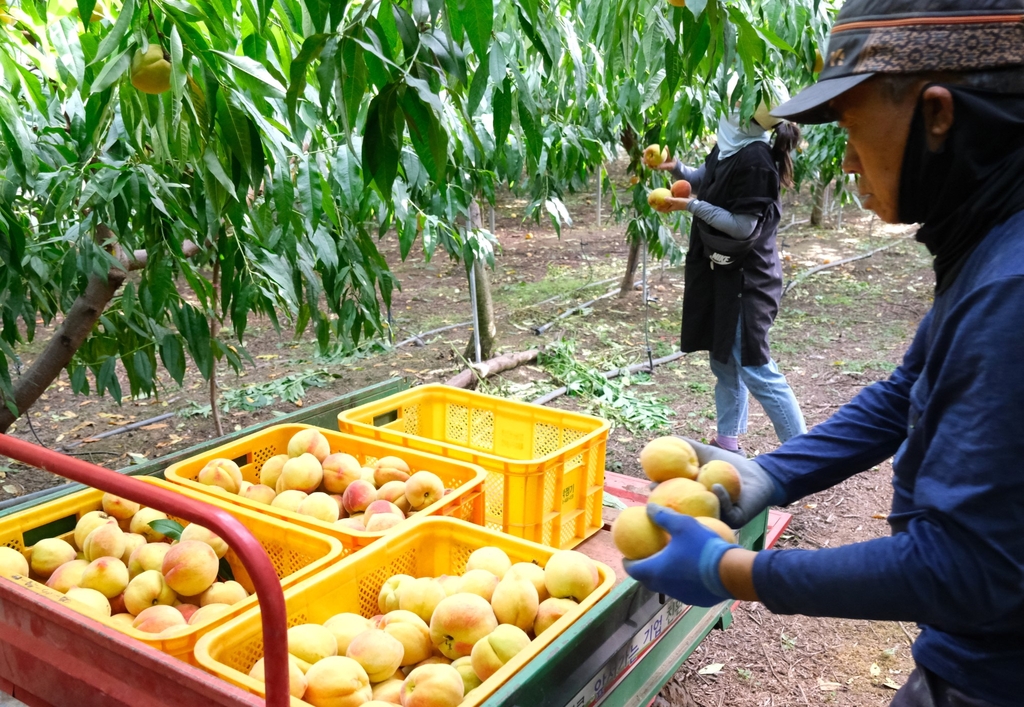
point(812, 104)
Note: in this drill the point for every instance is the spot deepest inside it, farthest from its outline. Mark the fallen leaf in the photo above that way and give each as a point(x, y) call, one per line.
point(3, 474)
point(879, 516)
point(155, 426)
point(888, 682)
point(875, 670)
point(826, 686)
point(78, 428)
point(712, 669)
point(13, 489)
point(298, 403)
point(267, 357)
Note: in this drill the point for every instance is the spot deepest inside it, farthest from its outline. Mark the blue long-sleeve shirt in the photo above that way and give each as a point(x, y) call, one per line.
point(953, 414)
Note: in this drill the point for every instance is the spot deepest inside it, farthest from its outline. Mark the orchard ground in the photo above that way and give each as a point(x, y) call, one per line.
point(838, 330)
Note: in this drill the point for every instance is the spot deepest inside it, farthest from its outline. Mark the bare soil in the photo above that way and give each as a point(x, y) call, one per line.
point(838, 330)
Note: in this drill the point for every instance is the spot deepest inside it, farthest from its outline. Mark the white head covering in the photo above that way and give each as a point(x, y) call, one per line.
point(733, 137)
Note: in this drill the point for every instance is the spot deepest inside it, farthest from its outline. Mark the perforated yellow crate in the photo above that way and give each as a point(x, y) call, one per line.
point(430, 548)
point(466, 501)
point(296, 554)
point(545, 466)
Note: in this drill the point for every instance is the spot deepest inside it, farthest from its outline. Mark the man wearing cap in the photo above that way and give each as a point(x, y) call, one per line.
point(932, 97)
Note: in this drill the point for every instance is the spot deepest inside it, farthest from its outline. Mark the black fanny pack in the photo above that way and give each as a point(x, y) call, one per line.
point(724, 251)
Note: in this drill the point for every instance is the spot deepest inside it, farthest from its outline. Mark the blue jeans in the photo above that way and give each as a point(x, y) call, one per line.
point(768, 386)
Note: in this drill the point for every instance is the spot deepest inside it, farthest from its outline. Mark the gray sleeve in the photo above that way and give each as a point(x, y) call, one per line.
point(738, 226)
point(693, 176)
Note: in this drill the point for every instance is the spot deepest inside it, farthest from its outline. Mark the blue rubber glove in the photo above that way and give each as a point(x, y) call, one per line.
point(758, 488)
point(687, 568)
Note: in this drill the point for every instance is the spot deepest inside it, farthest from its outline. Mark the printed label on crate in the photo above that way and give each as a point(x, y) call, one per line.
point(622, 662)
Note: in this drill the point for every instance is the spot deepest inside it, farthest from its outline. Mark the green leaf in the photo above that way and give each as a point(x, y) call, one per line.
point(502, 104)
point(310, 199)
point(353, 77)
point(167, 527)
point(382, 141)
point(111, 72)
point(428, 137)
point(217, 170)
point(534, 141)
point(454, 20)
point(121, 27)
point(477, 16)
point(477, 89)
point(696, 6)
point(255, 70)
point(224, 572)
point(15, 134)
point(311, 49)
point(172, 354)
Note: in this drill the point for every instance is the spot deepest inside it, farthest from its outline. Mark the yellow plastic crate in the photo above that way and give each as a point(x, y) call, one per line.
point(465, 502)
point(545, 467)
point(296, 554)
point(430, 548)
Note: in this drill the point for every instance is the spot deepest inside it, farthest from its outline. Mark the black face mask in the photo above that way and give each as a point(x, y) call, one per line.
point(972, 184)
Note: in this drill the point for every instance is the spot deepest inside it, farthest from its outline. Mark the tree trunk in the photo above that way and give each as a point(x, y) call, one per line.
point(634, 256)
point(818, 210)
point(65, 342)
point(484, 301)
point(214, 331)
point(77, 326)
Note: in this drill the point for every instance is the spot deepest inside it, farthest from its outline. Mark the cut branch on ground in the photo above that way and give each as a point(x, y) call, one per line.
point(499, 364)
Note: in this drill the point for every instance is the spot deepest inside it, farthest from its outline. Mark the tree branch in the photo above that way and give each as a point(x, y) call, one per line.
point(506, 362)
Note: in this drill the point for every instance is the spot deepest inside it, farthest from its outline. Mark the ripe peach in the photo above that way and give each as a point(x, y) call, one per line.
point(358, 496)
point(309, 441)
point(351, 523)
point(383, 521)
point(387, 693)
point(106, 540)
point(119, 508)
point(391, 491)
point(270, 472)
point(550, 611)
point(320, 506)
point(479, 582)
point(147, 557)
point(381, 507)
point(686, 497)
point(337, 681)
point(142, 519)
point(492, 559)
point(93, 601)
point(464, 665)
point(366, 473)
point(721, 472)
point(190, 567)
point(48, 554)
point(301, 473)
point(13, 562)
point(655, 155)
point(208, 613)
point(345, 627)
point(658, 200)
point(378, 652)
point(403, 504)
point(296, 679)
point(515, 602)
point(223, 593)
point(194, 531)
point(570, 575)
point(451, 584)
point(107, 575)
point(146, 590)
point(259, 493)
point(117, 604)
point(435, 659)
point(635, 534)
point(666, 458)
point(723, 530)
point(532, 572)
point(390, 469)
point(132, 542)
point(422, 489)
point(88, 523)
point(66, 576)
point(158, 618)
point(421, 596)
point(289, 500)
point(311, 642)
point(187, 610)
point(435, 685)
point(222, 473)
point(122, 622)
point(458, 622)
point(412, 632)
point(340, 470)
point(681, 189)
point(389, 595)
point(496, 649)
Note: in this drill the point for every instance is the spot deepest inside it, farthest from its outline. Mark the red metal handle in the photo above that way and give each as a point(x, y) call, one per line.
point(252, 554)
